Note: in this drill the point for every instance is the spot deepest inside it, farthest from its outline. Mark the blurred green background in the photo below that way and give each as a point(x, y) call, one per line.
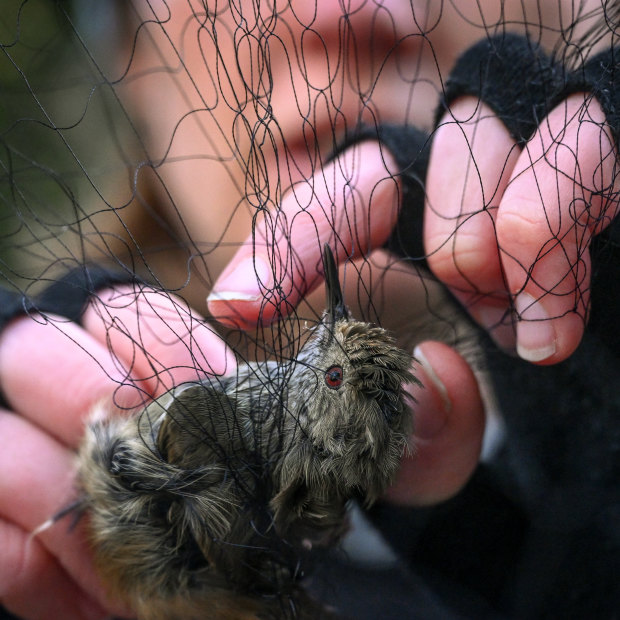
point(61, 150)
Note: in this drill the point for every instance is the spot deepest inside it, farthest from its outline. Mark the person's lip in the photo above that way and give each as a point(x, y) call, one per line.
point(321, 131)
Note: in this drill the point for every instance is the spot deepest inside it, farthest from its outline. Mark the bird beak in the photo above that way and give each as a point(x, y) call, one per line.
point(334, 300)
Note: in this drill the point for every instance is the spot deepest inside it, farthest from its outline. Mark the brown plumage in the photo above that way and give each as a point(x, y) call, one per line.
point(203, 504)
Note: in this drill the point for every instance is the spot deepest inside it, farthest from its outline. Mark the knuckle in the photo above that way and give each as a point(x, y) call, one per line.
point(522, 222)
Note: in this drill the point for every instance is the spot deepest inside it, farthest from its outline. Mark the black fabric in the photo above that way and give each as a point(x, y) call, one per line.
point(599, 76)
point(69, 295)
point(66, 296)
point(467, 548)
point(392, 593)
point(513, 76)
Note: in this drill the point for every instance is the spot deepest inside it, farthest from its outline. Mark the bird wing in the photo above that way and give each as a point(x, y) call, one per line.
point(199, 426)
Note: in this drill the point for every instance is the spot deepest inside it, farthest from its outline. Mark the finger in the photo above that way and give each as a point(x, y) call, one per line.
point(52, 372)
point(352, 204)
point(37, 481)
point(471, 160)
point(448, 428)
point(557, 199)
point(27, 568)
point(156, 336)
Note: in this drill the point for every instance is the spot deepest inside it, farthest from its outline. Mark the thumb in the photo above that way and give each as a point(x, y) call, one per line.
point(449, 424)
point(351, 203)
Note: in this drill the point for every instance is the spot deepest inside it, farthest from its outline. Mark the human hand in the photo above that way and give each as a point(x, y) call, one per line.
point(133, 346)
point(508, 230)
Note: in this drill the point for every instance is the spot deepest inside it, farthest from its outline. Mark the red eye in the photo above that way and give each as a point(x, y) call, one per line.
point(333, 377)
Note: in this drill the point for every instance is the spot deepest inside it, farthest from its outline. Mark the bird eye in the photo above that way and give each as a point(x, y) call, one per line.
point(333, 377)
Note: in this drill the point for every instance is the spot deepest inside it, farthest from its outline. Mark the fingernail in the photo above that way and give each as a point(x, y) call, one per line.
point(535, 333)
point(244, 282)
point(431, 422)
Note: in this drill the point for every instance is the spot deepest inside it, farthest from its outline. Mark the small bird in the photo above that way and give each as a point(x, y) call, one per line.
point(206, 503)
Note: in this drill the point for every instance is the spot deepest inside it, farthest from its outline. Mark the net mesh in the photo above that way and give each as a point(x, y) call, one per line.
point(155, 137)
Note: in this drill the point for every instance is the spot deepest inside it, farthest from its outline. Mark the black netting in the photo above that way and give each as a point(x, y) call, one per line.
point(144, 143)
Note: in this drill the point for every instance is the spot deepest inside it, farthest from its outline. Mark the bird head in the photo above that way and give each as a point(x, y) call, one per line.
point(350, 395)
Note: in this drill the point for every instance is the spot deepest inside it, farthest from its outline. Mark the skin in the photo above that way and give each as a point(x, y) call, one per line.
point(51, 383)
